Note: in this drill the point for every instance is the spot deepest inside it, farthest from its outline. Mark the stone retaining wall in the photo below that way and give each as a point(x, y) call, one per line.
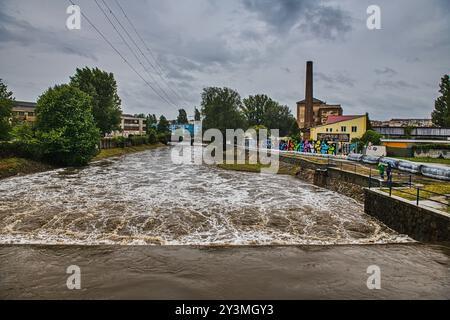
point(422, 224)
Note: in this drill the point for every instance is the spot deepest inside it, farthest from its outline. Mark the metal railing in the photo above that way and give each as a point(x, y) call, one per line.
point(398, 183)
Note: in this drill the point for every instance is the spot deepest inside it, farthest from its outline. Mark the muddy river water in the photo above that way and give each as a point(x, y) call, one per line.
point(140, 227)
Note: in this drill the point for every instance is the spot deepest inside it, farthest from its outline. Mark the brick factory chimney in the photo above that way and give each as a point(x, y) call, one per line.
point(309, 111)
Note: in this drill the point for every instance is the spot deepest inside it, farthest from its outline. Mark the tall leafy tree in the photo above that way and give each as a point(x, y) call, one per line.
point(182, 117)
point(278, 117)
point(150, 122)
point(222, 109)
point(441, 113)
point(102, 87)
point(197, 115)
point(262, 110)
point(294, 131)
point(254, 108)
point(163, 125)
point(65, 126)
point(6, 103)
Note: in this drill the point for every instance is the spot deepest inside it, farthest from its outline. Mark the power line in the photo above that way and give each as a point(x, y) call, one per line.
point(160, 71)
point(118, 52)
point(139, 49)
point(134, 53)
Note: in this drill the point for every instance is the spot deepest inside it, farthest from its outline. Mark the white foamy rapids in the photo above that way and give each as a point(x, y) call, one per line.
point(145, 199)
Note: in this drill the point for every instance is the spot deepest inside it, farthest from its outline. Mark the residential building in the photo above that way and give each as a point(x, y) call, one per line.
point(340, 129)
point(131, 125)
point(24, 111)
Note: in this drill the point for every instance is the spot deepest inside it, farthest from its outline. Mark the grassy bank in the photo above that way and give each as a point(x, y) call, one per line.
point(117, 152)
point(256, 168)
point(10, 167)
point(13, 166)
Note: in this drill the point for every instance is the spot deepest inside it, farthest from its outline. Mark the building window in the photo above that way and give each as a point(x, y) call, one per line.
point(344, 129)
point(21, 113)
point(31, 114)
point(354, 129)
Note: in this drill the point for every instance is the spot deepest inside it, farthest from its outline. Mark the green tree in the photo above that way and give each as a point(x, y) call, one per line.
point(262, 110)
point(255, 107)
point(368, 122)
point(197, 115)
point(221, 109)
point(279, 117)
point(369, 136)
point(150, 122)
point(182, 117)
point(441, 113)
point(163, 125)
point(294, 131)
point(6, 103)
point(65, 126)
point(102, 87)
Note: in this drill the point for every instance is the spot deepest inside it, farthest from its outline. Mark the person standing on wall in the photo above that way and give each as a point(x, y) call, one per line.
point(381, 170)
point(389, 172)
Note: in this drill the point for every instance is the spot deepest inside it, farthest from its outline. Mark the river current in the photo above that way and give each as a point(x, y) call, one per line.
point(145, 199)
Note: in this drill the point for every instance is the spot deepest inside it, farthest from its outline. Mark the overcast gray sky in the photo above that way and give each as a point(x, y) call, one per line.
point(253, 46)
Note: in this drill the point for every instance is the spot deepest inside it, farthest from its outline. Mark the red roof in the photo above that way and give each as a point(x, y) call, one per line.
point(334, 119)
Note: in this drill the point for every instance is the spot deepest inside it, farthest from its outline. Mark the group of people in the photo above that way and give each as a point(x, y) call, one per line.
point(381, 170)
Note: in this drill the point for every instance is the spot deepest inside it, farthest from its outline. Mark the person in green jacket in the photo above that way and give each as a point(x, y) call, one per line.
point(381, 170)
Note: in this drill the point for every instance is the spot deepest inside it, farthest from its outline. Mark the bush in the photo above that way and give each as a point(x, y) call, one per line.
point(164, 137)
point(120, 142)
point(65, 127)
point(137, 140)
point(152, 136)
point(30, 149)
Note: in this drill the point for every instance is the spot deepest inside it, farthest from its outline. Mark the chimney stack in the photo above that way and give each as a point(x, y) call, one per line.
point(309, 111)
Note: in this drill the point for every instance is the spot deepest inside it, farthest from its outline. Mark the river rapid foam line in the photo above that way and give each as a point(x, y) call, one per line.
point(144, 199)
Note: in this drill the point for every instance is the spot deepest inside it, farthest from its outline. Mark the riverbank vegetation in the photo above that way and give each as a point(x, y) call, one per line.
point(14, 166)
point(284, 168)
point(70, 121)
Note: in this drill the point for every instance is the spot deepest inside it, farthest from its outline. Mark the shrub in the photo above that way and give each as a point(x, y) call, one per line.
point(164, 137)
point(152, 136)
point(137, 140)
point(120, 142)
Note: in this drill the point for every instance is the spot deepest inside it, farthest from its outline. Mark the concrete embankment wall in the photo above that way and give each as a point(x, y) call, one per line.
point(422, 224)
point(347, 183)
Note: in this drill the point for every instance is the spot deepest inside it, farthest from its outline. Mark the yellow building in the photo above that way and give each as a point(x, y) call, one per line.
point(340, 129)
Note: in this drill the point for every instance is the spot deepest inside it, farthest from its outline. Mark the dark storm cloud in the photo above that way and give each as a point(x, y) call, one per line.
point(399, 84)
point(309, 16)
point(22, 33)
point(386, 72)
point(255, 46)
point(335, 80)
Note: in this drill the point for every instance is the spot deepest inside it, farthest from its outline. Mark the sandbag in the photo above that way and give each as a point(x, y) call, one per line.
point(370, 159)
point(355, 157)
point(393, 162)
point(441, 173)
point(409, 166)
